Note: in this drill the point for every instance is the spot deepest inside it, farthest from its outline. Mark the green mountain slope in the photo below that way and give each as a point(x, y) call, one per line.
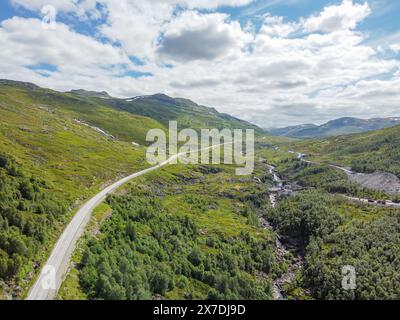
point(66, 140)
point(186, 112)
point(336, 127)
point(292, 131)
point(366, 152)
point(77, 137)
point(58, 149)
point(50, 162)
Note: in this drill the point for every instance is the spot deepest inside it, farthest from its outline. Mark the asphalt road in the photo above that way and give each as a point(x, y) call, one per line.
point(385, 203)
point(52, 273)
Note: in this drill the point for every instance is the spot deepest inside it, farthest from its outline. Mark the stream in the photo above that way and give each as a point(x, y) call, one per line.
point(282, 250)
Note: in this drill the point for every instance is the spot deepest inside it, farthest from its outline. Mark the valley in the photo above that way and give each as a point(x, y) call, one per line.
point(68, 197)
point(209, 158)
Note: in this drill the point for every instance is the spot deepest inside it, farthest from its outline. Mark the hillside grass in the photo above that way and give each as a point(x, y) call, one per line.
point(74, 159)
point(40, 131)
point(124, 126)
point(187, 113)
point(366, 152)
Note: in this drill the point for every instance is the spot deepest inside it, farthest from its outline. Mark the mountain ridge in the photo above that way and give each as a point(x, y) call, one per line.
point(336, 127)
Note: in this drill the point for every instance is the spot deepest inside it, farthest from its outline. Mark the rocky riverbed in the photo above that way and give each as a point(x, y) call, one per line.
point(278, 286)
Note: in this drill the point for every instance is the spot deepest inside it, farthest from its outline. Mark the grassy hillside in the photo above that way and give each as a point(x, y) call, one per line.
point(42, 134)
point(63, 162)
point(366, 152)
point(186, 112)
point(68, 146)
point(122, 125)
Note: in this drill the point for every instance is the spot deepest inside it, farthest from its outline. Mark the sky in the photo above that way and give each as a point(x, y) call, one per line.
point(271, 62)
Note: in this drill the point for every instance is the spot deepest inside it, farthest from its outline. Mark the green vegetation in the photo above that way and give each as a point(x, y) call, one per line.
point(186, 112)
point(371, 247)
point(122, 125)
point(127, 264)
point(28, 214)
point(75, 160)
point(301, 217)
point(78, 144)
point(70, 288)
point(181, 233)
point(335, 128)
point(184, 232)
point(326, 178)
point(334, 234)
point(367, 152)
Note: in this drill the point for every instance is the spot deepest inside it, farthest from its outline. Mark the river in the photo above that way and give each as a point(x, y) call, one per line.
point(278, 286)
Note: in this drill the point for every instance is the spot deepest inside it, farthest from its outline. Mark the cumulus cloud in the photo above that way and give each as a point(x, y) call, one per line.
point(194, 36)
point(30, 43)
point(335, 18)
point(26, 47)
point(275, 26)
point(137, 25)
point(311, 69)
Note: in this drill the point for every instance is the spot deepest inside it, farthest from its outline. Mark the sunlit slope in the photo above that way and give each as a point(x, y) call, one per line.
point(188, 114)
point(122, 125)
point(39, 129)
point(366, 152)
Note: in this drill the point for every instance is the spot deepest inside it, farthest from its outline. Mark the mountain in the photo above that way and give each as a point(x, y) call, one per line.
point(291, 131)
point(56, 150)
point(59, 149)
point(54, 133)
point(188, 113)
point(93, 94)
point(364, 152)
point(336, 127)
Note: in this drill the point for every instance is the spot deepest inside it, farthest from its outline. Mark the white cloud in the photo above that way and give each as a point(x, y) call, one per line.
point(193, 36)
point(211, 4)
point(276, 27)
point(335, 18)
point(26, 44)
point(275, 76)
point(137, 24)
point(395, 47)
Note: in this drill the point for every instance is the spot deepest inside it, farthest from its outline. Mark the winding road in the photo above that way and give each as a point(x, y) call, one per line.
point(52, 273)
point(381, 203)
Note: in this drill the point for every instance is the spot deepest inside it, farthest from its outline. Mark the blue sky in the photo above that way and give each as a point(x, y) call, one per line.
point(298, 60)
point(384, 20)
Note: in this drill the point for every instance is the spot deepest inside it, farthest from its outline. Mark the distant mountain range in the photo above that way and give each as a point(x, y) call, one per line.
point(335, 127)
